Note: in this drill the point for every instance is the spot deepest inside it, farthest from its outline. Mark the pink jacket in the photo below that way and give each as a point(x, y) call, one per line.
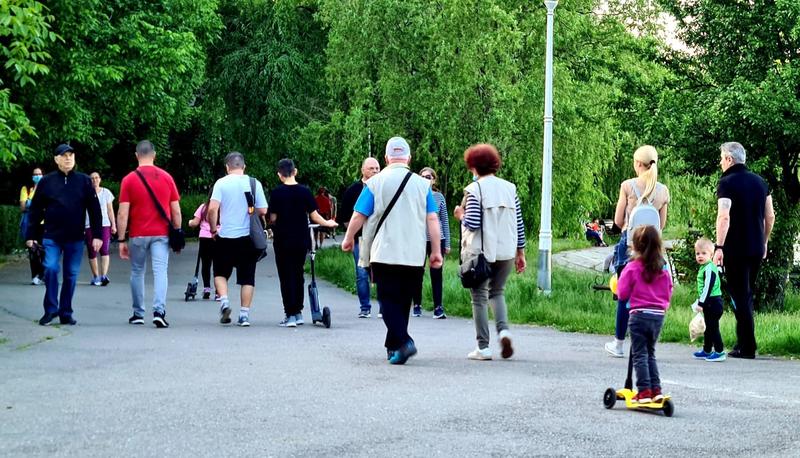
point(642, 295)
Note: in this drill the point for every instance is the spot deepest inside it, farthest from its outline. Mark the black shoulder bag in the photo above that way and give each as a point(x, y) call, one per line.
point(257, 233)
point(177, 241)
point(475, 269)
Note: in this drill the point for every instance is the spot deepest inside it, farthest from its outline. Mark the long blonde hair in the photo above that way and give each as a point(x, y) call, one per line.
point(648, 156)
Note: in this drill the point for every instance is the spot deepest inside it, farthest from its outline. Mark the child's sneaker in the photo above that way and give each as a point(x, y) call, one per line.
point(614, 348)
point(715, 357)
point(657, 396)
point(643, 397)
point(417, 310)
point(289, 322)
point(701, 354)
point(206, 293)
point(298, 319)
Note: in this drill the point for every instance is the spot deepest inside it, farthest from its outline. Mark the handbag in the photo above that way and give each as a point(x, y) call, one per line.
point(475, 270)
point(257, 233)
point(366, 244)
point(177, 240)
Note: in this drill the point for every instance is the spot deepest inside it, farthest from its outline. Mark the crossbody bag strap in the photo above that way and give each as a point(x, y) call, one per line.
point(391, 204)
point(155, 200)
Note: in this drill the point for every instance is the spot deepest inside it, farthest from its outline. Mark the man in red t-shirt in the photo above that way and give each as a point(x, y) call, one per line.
point(148, 231)
point(325, 211)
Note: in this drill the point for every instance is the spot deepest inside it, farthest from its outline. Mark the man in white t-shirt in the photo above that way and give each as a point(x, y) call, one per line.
point(231, 202)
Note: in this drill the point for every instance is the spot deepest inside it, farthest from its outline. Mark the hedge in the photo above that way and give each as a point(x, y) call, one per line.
point(9, 228)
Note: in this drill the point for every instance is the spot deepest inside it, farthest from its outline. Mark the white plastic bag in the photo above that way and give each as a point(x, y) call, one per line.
point(697, 327)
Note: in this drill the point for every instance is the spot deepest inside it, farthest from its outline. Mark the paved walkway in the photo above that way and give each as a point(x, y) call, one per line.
point(592, 258)
point(105, 388)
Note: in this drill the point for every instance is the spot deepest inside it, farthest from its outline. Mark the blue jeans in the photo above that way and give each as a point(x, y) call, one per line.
point(158, 249)
point(362, 282)
point(622, 306)
point(645, 329)
point(72, 252)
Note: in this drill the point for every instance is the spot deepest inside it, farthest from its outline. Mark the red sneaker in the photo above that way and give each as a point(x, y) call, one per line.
point(643, 397)
point(657, 396)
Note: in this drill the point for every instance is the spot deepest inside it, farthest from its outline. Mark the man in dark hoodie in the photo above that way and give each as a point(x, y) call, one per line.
point(62, 199)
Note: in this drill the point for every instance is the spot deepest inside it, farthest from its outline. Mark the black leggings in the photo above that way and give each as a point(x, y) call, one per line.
point(206, 259)
point(436, 281)
point(712, 312)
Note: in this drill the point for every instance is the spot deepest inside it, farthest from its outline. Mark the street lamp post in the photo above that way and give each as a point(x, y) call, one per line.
point(545, 229)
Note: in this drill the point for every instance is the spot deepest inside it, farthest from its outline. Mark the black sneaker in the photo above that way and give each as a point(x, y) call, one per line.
point(159, 321)
point(741, 355)
point(104, 281)
point(68, 320)
point(135, 319)
point(47, 318)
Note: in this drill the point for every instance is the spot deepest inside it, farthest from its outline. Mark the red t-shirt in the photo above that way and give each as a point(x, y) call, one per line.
point(144, 220)
point(324, 205)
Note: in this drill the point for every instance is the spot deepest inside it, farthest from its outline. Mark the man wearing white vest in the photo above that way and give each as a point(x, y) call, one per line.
point(395, 208)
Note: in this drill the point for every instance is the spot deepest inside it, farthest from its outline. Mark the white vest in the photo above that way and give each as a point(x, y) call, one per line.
point(402, 238)
point(499, 220)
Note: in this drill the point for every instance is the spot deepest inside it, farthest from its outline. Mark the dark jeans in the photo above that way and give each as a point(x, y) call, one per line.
point(290, 261)
point(712, 312)
point(436, 281)
point(622, 306)
point(396, 286)
point(206, 259)
point(645, 328)
point(741, 274)
point(53, 252)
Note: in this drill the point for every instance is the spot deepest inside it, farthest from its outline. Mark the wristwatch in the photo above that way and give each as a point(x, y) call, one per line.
point(718, 247)
point(122, 240)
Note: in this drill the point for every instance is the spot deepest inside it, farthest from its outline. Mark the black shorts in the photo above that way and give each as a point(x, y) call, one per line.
point(238, 253)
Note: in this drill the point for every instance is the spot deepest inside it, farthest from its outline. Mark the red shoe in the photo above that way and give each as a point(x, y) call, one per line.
point(657, 396)
point(643, 397)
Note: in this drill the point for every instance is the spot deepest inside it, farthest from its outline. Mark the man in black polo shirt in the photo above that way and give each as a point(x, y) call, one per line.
point(744, 222)
point(369, 168)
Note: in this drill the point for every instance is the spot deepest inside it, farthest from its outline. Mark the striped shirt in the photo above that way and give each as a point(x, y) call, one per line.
point(472, 217)
point(444, 222)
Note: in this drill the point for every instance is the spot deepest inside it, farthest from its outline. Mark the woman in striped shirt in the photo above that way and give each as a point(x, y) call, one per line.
point(436, 273)
point(491, 222)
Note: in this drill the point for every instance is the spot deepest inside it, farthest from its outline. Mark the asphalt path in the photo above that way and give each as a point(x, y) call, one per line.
point(106, 388)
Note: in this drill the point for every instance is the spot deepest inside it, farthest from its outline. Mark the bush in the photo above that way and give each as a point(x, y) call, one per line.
point(9, 228)
point(189, 203)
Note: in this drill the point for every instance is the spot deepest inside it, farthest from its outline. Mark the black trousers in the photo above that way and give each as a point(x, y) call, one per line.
point(741, 274)
point(436, 281)
point(712, 312)
point(206, 259)
point(290, 261)
point(396, 286)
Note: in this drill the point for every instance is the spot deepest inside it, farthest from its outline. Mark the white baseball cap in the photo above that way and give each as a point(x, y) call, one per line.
point(397, 148)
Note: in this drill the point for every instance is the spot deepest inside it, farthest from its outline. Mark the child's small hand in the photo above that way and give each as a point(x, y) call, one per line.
point(696, 307)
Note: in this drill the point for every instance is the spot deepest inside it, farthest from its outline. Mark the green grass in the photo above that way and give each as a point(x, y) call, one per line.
point(575, 307)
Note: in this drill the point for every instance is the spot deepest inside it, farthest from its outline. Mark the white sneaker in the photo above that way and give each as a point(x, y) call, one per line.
point(614, 348)
point(298, 319)
point(480, 355)
point(506, 350)
point(36, 281)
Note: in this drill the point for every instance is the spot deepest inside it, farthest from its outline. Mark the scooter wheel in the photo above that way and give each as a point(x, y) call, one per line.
point(186, 297)
point(610, 398)
point(326, 317)
point(668, 408)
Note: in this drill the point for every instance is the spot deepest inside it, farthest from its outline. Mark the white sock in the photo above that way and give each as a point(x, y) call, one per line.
point(244, 311)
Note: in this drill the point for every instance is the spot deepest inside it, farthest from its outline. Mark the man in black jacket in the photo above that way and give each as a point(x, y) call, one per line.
point(62, 200)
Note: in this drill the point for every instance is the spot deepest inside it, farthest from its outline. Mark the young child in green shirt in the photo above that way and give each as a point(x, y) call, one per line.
point(709, 302)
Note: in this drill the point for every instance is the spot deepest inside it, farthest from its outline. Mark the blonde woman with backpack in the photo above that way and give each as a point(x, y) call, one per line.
point(642, 201)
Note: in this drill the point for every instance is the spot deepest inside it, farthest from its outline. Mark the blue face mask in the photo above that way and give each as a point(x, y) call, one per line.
point(474, 177)
point(36, 179)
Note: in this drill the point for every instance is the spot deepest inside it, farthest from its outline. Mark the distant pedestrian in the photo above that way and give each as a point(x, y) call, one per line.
point(647, 285)
point(325, 210)
point(291, 207)
point(62, 199)
point(745, 217)
point(369, 168)
point(231, 205)
point(206, 249)
point(491, 222)
point(106, 199)
point(397, 206)
point(148, 233)
point(436, 273)
point(645, 189)
point(35, 253)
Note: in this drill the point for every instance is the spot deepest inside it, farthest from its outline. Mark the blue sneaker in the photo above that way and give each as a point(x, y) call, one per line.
point(389, 354)
point(403, 353)
point(701, 354)
point(417, 310)
point(244, 321)
point(715, 357)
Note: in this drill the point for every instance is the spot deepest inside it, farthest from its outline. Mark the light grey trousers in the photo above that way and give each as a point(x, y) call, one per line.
point(491, 293)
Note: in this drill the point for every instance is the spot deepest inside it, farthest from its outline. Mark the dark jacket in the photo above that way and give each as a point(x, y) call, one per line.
point(62, 202)
point(349, 202)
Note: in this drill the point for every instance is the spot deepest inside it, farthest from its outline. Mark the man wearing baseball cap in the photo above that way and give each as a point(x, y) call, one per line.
point(62, 199)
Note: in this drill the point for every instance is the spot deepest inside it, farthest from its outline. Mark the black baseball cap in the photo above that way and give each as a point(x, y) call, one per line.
point(61, 149)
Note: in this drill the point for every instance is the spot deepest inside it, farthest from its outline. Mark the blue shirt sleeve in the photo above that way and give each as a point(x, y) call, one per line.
point(366, 202)
point(431, 206)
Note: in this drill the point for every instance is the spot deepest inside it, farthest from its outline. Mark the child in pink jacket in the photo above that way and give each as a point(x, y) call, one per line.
point(647, 286)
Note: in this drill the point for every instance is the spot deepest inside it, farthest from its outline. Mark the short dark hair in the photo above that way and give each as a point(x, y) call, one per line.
point(145, 147)
point(234, 160)
point(286, 167)
point(484, 158)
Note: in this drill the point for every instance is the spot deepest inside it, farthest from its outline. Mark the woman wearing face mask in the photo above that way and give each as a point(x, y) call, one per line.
point(100, 273)
point(25, 197)
point(436, 273)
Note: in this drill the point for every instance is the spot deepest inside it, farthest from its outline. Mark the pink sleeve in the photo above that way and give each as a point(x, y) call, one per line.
point(626, 281)
point(199, 212)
